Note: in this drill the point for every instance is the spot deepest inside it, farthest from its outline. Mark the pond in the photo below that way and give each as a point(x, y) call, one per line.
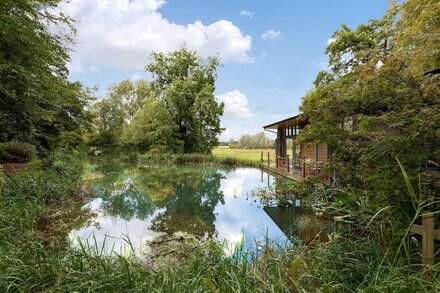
point(140, 203)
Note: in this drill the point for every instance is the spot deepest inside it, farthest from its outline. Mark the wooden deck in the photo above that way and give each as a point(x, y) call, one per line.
point(293, 174)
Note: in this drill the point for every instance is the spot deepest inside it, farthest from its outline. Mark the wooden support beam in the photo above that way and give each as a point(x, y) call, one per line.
point(304, 167)
point(428, 243)
point(417, 229)
point(261, 157)
point(429, 234)
point(294, 153)
point(268, 158)
point(316, 159)
point(287, 163)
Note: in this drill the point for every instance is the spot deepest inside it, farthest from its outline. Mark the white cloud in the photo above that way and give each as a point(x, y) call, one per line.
point(247, 13)
point(95, 69)
point(78, 68)
point(138, 76)
point(321, 65)
point(246, 126)
point(236, 105)
point(122, 33)
point(271, 35)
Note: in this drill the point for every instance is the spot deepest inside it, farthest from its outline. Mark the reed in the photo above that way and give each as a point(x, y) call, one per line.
point(352, 261)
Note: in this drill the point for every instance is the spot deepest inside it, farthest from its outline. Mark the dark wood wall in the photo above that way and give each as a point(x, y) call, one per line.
point(308, 151)
point(281, 143)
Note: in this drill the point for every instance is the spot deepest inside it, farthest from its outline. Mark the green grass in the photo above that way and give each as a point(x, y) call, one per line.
point(248, 155)
point(220, 156)
point(226, 160)
point(30, 262)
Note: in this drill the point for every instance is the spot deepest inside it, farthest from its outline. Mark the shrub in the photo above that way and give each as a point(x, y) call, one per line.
point(54, 182)
point(16, 152)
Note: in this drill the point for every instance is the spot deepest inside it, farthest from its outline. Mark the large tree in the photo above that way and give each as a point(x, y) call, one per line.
point(37, 101)
point(375, 103)
point(132, 96)
point(153, 129)
point(186, 83)
point(114, 113)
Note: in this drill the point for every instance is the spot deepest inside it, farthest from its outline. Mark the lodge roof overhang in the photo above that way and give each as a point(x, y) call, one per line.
point(288, 122)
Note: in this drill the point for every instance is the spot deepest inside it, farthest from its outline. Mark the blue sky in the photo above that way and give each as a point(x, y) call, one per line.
point(271, 50)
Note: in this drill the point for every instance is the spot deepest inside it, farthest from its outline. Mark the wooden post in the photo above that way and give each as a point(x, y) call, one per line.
point(304, 167)
point(287, 163)
point(293, 153)
point(268, 159)
point(316, 159)
point(261, 157)
point(276, 161)
point(428, 243)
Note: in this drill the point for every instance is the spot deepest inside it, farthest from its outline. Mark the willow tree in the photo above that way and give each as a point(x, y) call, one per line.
point(185, 82)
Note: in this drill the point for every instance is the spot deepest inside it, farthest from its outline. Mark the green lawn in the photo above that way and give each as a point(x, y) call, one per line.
point(251, 155)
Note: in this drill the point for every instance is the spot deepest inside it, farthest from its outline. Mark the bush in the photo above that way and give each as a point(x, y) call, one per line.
point(52, 183)
point(16, 152)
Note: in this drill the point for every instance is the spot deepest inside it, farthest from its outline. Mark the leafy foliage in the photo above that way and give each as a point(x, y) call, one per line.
point(16, 152)
point(375, 103)
point(37, 102)
point(153, 129)
point(257, 141)
point(186, 85)
point(111, 115)
point(176, 112)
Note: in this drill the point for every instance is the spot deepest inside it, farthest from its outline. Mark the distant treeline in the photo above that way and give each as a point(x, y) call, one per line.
point(257, 141)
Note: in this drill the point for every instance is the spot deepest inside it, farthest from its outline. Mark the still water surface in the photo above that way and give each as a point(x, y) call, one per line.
point(142, 202)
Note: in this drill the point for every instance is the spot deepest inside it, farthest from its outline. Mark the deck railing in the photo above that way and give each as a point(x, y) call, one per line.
point(285, 163)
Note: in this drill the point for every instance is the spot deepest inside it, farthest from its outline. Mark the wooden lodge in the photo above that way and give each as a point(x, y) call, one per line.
point(299, 162)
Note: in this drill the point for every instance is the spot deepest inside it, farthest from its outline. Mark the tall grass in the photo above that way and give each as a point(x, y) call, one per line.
point(367, 261)
point(169, 158)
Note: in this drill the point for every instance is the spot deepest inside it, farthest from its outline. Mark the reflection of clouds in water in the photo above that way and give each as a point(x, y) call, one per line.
point(241, 217)
point(232, 185)
point(112, 232)
point(228, 232)
point(197, 204)
point(94, 205)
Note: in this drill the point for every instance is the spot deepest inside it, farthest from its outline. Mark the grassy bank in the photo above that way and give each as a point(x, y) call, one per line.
point(34, 255)
point(220, 156)
point(246, 155)
point(148, 158)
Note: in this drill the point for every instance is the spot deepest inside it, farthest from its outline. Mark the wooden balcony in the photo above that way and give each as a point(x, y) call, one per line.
point(294, 170)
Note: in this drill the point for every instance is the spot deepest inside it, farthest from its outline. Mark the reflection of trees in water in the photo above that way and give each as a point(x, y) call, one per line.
point(291, 211)
point(188, 196)
point(298, 222)
point(192, 207)
point(121, 199)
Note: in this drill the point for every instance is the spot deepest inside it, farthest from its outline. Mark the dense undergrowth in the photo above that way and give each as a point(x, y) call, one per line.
point(34, 255)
